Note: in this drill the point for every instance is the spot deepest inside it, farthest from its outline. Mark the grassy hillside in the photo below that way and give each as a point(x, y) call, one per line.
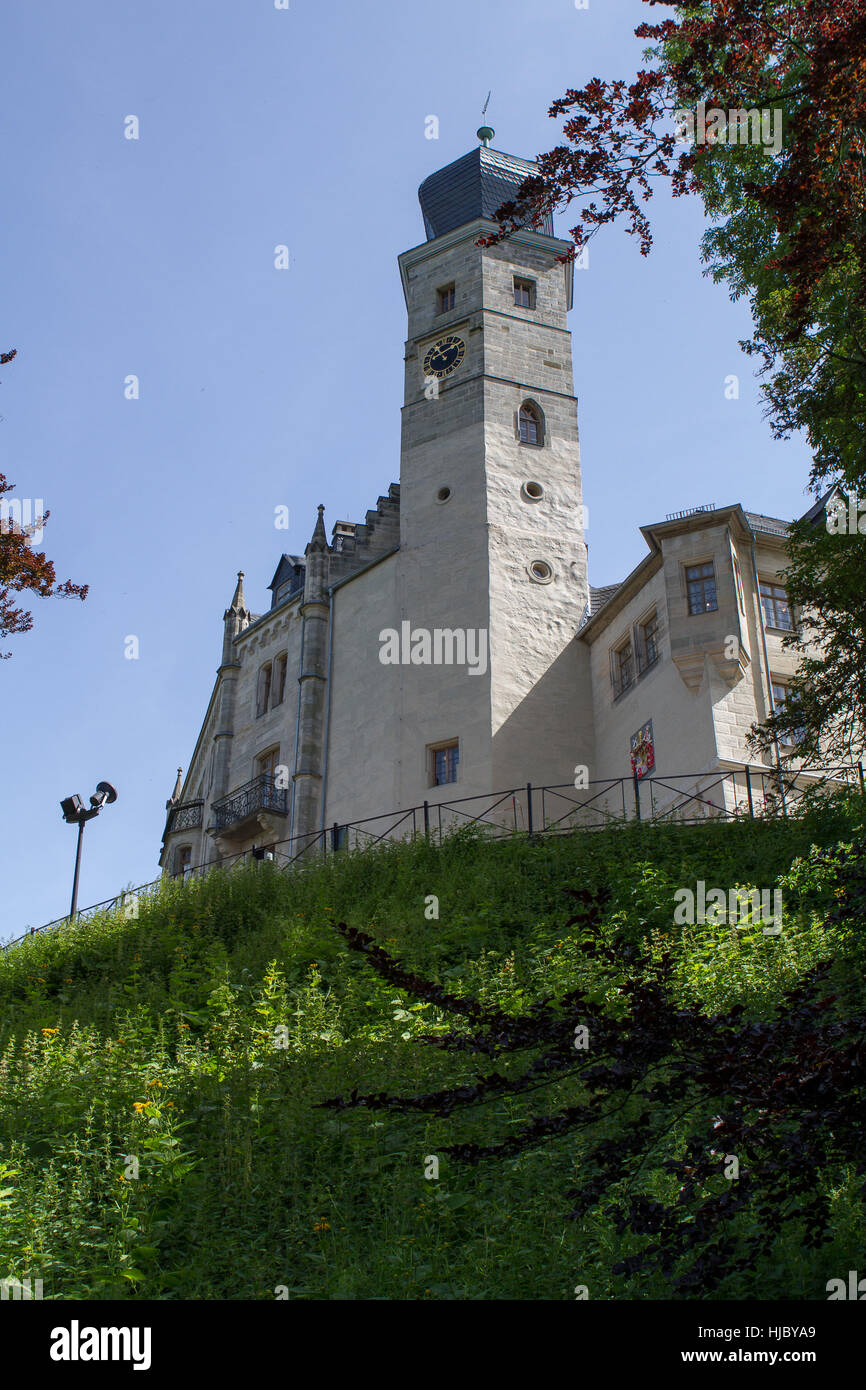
point(156, 1042)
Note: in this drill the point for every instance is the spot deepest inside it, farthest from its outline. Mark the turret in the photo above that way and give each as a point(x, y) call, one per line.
point(312, 687)
point(317, 561)
point(235, 618)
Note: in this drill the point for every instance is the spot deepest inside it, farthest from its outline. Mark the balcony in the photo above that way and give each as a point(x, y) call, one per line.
point(185, 816)
point(258, 805)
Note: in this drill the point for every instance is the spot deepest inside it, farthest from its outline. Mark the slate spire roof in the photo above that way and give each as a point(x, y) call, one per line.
point(473, 186)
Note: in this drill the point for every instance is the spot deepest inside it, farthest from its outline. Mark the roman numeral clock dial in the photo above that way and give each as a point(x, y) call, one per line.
point(444, 357)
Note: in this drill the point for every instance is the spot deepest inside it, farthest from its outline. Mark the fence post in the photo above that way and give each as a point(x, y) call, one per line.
point(862, 783)
point(749, 792)
point(637, 796)
point(335, 831)
point(427, 820)
point(529, 807)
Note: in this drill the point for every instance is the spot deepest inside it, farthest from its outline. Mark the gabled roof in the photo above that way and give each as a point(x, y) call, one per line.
point(818, 508)
point(285, 569)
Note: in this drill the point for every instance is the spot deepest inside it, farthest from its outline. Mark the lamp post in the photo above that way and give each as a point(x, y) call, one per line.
point(76, 813)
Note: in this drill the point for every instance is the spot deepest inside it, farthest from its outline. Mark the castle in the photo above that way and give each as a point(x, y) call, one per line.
point(450, 645)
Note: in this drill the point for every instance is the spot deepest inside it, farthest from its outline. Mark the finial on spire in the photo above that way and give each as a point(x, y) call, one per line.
point(320, 539)
point(178, 787)
point(238, 603)
point(485, 133)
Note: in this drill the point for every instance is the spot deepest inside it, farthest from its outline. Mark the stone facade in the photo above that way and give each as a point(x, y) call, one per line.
point(481, 547)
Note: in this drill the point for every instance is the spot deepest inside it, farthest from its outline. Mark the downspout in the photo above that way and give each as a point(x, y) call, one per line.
point(766, 670)
point(327, 706)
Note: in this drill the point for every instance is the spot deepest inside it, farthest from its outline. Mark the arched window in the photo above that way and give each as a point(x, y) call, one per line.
point(531, 424)
point(263, 689)
point(279, 679)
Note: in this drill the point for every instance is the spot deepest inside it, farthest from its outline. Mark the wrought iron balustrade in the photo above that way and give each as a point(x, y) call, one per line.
point(261, 794)
point(186, 816)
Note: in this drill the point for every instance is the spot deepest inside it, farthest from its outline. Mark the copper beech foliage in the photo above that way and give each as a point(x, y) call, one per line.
point(22, 568)
point(667, 1087)
point(803, 58)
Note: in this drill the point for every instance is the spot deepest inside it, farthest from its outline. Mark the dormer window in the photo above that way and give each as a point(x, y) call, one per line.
point(445, 299)
point(531, 424)
point(524, 293)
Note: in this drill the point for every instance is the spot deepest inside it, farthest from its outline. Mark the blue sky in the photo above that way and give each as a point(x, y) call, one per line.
point(259, 387)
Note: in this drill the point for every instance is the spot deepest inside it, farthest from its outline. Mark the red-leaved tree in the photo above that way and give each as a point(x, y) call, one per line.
point(21, 567)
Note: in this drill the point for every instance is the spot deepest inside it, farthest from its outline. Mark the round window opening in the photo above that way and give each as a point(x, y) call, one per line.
point(540, 571)
point(532, 492)
point(443, 494)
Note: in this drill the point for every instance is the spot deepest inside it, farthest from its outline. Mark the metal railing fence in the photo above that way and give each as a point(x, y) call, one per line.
point(719, 794)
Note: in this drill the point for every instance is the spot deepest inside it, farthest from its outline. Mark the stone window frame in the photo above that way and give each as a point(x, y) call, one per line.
point(778, 684)
point(267, 761)
point(264, 679)
point(441, 746)
point(527, 492)
point(524, 284)
point(635, 641)
point(779, 595)
point(278, 679)
point(446, 297)
point(697, 562)
point(183, 866)
point(533, 409)
point(619, 684)
point(643, 661)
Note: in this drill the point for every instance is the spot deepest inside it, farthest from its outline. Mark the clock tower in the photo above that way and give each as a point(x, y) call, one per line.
point(491, 514)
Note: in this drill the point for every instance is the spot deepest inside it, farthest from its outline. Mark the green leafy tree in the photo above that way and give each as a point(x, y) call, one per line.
point(787, 204)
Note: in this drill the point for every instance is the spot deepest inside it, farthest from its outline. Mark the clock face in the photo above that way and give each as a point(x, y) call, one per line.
point(444, 356)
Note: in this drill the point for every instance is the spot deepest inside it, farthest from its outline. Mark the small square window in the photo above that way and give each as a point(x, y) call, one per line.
point(524, 293)
point(445, 299)
point(701, 587)
point(444, 761)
